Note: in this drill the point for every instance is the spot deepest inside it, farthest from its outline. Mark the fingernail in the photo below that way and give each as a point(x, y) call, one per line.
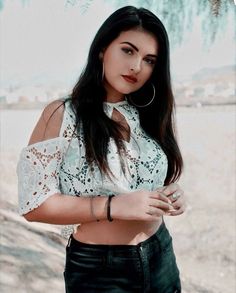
point(172, 209)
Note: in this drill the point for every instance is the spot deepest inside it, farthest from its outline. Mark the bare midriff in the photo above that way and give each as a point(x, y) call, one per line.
point(116, 232)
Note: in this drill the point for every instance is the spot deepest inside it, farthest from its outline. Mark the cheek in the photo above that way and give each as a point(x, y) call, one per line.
point(109, 63)
point(113, 69)
point(148, 70)
point(146, 74)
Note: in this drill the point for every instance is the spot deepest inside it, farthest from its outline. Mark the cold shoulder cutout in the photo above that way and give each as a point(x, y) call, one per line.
point(49, 123)
point(39, 163)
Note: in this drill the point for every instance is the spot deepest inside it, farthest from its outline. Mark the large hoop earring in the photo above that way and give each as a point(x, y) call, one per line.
point(142, 106)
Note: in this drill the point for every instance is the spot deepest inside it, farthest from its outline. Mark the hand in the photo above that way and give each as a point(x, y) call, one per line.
point(179, 203)
point(140, 205)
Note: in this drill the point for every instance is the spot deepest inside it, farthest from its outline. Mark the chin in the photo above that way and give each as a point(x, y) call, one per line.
point(126, 91)
point(123, 89)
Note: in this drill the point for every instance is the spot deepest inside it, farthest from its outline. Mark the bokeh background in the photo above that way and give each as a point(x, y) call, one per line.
point(43, 48)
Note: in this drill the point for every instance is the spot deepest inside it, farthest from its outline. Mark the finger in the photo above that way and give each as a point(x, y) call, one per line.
point(178, 209)
point(161, 188)
point(160, 196)
point(178, 203)
point(176, 196)
point(176, 213)
point(160, 205)
point(171, 188)
point(155, 212)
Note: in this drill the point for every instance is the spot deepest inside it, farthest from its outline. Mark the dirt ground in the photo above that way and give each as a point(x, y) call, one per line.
point(32, 255)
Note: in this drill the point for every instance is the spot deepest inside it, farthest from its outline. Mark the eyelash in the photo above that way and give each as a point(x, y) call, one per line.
point(150, 61)
point(130, 52)
point(127, 51)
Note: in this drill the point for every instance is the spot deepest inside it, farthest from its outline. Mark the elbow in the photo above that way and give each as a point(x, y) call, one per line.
point(36, 215)
point(29, 217)
point(43, 213)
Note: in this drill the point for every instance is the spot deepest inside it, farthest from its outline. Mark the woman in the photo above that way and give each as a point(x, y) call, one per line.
point(111, 145)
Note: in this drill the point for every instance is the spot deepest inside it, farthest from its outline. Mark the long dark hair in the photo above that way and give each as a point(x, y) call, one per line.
point(89, 93)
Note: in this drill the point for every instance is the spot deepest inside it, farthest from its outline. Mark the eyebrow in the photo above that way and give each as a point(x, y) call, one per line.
point(136, 49)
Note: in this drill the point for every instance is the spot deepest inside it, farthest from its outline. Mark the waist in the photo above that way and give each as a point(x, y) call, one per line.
point(116, 232)
point(161, 236)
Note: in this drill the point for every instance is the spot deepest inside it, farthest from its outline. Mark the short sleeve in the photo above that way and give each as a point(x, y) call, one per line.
point(38, 172)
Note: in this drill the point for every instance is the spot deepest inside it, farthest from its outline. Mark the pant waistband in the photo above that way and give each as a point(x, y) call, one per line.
point(122, 248)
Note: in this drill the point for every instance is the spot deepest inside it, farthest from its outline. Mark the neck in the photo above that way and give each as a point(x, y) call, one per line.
point(113, 96)
point(114, 99)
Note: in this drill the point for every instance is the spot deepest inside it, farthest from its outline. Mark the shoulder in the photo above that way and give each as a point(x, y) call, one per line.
point(49, 123)
point(54, 110)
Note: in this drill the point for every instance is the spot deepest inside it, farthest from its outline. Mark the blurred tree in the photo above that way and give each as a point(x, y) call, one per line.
point(177, 16)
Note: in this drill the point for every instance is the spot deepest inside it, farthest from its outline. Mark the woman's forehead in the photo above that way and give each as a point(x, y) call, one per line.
point(142, 39)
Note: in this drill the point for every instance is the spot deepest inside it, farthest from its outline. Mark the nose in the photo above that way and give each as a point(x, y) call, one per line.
point(136, 65)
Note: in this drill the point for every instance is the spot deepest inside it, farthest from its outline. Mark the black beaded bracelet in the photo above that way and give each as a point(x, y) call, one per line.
point(109, 218)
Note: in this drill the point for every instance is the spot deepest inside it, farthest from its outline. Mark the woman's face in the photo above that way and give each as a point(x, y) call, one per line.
point(129, 61)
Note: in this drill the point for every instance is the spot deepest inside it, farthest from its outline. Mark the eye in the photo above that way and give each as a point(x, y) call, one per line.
point(127, 51)
point(150, 61)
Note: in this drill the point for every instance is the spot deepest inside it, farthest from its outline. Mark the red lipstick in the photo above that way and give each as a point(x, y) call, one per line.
point(130, 78)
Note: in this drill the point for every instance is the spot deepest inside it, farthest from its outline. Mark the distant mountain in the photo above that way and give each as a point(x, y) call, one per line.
point(208, 86)
point(209, 73)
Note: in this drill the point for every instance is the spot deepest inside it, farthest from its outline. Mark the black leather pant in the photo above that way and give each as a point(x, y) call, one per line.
point(147, 267)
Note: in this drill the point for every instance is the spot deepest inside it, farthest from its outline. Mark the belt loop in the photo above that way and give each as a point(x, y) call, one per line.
point(69, 241)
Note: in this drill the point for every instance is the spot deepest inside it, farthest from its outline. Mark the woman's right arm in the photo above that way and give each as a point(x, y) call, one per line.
point(65, 210)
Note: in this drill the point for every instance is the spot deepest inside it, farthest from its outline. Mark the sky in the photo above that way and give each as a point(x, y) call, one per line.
point(48, 41)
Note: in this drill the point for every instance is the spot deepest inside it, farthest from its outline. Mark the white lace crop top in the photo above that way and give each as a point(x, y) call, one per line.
point(59, 165)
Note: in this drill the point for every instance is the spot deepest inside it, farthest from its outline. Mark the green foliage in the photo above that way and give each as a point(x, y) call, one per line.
point(178, 16)
point(84, 5)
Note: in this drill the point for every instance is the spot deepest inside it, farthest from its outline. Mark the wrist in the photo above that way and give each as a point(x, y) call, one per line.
point(100, 207)
point(115, 207)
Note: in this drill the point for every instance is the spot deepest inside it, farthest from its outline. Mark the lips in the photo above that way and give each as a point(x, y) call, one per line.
point(130, 78)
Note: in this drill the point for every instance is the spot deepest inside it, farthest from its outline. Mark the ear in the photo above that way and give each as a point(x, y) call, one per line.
point(100, 55)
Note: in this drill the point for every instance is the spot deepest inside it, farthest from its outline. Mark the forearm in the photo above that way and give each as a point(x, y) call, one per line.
point(65, 210)
point(62, 209)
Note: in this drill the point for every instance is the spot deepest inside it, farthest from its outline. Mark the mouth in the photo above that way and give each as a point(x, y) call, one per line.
point(129, 78)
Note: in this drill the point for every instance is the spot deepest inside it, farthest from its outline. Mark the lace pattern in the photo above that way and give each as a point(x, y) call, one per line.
point(38, 172)
point(59, 165)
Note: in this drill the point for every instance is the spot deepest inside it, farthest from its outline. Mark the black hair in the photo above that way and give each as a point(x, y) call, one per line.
point(89, 94)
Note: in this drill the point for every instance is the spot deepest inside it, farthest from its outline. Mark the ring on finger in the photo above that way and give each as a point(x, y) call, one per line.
point(176, 195)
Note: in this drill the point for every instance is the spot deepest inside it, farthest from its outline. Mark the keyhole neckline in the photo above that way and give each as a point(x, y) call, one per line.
point(116, 103)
